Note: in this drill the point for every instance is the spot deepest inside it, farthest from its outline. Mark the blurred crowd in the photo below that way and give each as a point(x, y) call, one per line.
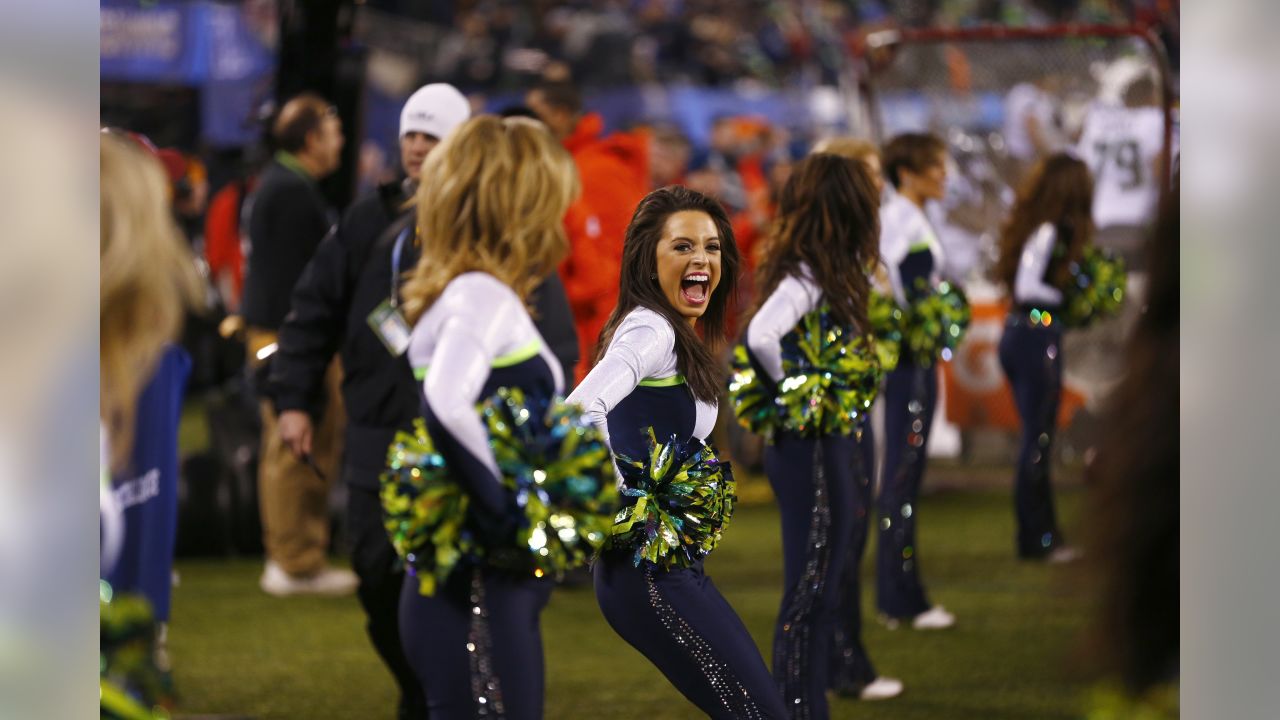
point(498, 44)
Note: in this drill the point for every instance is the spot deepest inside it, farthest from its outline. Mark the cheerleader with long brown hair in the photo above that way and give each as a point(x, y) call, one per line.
point(1048, 230)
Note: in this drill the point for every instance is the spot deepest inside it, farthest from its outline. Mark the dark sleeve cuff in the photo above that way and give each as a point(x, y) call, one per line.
point(289, 400)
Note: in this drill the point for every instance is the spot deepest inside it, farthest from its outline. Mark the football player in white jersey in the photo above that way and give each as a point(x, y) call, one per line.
point(1122, 144)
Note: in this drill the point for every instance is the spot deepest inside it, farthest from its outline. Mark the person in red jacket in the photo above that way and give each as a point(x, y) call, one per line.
point(614, 170)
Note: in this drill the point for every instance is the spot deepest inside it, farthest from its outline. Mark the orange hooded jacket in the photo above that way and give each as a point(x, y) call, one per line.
point(614, 171)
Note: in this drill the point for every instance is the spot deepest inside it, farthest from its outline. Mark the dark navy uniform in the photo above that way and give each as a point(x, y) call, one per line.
point(476, 645)
point(676, 618)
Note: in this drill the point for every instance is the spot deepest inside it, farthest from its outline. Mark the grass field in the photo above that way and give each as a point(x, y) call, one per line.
point(239, 652)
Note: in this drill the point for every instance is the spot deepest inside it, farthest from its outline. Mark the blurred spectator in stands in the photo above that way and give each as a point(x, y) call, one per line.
point(669, 155)
point(615, 175)
point(288, 217)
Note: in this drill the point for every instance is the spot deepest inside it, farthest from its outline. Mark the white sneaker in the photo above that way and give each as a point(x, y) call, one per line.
point(935, 618)
point(1063, 555)
point(882, 688)
point(329, 581)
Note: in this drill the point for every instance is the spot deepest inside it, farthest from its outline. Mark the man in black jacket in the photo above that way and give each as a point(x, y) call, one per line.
point(350, 278)
point(287, 219)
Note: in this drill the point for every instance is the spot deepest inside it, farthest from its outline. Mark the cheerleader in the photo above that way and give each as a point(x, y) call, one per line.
point(680, 266)
point(852, 672)
point(1049, 229)
point(826, 236)
point(916, 166)
point(475, 643)
point(147, 281)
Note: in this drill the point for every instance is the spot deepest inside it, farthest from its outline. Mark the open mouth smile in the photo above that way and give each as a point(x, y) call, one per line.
point(695, 287)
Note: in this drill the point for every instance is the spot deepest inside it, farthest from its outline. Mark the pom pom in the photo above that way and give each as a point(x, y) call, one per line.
point(424, 510)
point(831, 376)
point(1097, 288)
point(560, 473)
point(684, 498)
point(886, 320)
point(751, 396)
point(131, 682)
point(934, 323)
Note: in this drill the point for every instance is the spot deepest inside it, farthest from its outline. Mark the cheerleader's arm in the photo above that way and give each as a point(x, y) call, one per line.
point(636, 352)
point(1030, 285)
point(793, 298)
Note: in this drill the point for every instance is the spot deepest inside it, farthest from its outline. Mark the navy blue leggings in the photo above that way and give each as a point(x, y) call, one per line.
point(477, 665)
point(680, 622)
point(1032, 358)
point(813, 480)
point(851, 668)
point(910, 394)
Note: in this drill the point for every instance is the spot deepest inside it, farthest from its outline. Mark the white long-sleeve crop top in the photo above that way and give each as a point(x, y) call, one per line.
point(475, 321)
point(642, 348)
point(1029, 287)
point(795, 296)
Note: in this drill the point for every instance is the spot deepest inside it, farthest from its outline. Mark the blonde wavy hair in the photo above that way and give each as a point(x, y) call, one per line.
point(848, 147)
point(492, 199)
point(147, 279)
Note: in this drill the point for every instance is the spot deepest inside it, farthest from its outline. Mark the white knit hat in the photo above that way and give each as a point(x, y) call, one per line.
point(434, 109)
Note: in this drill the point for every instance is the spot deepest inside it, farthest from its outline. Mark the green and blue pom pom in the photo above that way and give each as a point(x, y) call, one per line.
point(684, 497)
point(560, 477)
point(131, 684)
point(425, 510)
point(751, 396)
point(560, 472)
point(934, 323)
point(831, 376)
point(1097, 288)
point(886, 320)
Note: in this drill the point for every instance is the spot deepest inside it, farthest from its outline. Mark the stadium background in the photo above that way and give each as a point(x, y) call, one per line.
point(772, 76)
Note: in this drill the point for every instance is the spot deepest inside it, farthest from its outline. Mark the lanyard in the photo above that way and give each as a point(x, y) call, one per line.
point(395, 266)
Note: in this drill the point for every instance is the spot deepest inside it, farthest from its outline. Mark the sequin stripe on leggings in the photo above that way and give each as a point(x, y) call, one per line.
point(485, 687)
point(733, 696)
point(791, 654)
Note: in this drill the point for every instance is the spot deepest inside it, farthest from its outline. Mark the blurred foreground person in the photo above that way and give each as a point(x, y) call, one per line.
point(288, 217)
point(347, 301)
point(1134, 507)
point(147, 279)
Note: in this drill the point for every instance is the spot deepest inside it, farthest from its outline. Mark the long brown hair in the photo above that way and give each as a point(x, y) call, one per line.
point(1133, 502)
point(492, 199)
point(636, 288)
point(828, 219)
point(1059, 192)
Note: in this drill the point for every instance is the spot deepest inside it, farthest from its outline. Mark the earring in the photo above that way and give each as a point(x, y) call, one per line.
point(653, 276)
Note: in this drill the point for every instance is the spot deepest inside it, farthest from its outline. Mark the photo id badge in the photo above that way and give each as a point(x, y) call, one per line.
point(390, 327)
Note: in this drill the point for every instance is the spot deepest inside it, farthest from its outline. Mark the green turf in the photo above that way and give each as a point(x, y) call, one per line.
point(237, 651)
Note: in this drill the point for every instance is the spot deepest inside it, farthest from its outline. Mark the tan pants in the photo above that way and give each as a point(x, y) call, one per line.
point(292, 497)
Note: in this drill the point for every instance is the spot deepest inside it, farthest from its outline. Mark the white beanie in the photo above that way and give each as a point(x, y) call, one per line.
point(434, 109)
